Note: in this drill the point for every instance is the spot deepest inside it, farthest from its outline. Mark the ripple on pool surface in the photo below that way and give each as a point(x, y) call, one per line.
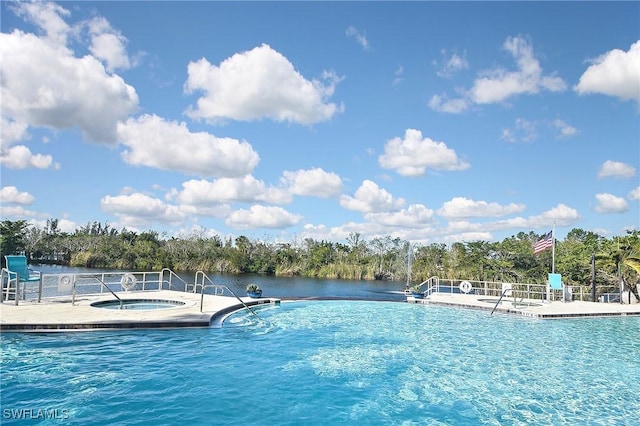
point(137, 304)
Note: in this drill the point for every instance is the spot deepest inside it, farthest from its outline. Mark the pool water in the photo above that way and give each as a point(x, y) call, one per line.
point(334, 362)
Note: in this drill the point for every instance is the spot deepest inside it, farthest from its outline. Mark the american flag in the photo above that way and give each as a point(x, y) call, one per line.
point(544, 243)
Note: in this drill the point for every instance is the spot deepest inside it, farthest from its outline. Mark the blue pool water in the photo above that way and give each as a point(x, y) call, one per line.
point(333, 362)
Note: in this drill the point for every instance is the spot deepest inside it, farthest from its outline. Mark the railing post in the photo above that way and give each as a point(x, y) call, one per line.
point(40, 289)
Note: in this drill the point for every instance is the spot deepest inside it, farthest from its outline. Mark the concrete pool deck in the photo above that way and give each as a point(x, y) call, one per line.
point(537, 309)
point(59, 314)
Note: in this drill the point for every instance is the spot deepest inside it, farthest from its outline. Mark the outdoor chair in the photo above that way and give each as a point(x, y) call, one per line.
point(18, 276)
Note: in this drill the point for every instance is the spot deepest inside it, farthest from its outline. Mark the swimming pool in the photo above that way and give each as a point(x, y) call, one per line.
point(328, 362)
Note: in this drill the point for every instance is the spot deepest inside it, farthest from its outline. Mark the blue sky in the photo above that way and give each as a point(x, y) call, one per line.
point(431, 122)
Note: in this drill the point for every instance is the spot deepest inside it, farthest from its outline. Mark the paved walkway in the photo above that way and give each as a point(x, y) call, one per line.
point(61, 315)
point(531, 308)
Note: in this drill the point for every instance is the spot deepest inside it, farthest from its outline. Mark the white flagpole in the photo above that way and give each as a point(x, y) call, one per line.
point(553, 248)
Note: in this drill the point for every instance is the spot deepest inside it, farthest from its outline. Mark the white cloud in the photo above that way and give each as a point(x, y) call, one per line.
point(616, 169)
point(169, 145)
point(361, 38)
point(12, 131)
point(47, 16)
point(226, 190)
point(565, 129)
point(21, 157)
point(524, 131)
point(498, 84)
point(615, 73)
point(370, 198)
point(64, 225)
point(10, 194)
point(108, 44)
point(414, 216)
point(260, 83)
point(452, 63)
point(412, 155)
point(139, 209)
point(562, 215)
point(634, 194)
point(464, 208)
point(608, 203)
point(262, 217)
point(452, 106)
point(314, 182)
point(45, 85)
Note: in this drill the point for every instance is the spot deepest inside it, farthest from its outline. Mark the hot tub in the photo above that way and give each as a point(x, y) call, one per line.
point(137, 304)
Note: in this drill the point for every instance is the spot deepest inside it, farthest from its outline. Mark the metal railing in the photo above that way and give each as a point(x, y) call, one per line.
point(204, 282)
point(74, 285)
point(531, 291)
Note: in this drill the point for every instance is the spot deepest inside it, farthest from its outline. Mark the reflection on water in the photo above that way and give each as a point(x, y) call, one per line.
point(281, 287)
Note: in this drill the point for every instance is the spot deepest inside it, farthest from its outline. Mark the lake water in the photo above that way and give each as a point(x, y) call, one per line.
point(281, 287)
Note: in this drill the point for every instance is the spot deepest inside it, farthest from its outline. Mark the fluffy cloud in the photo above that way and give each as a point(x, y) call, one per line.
point(616, 169)
point(615, 73)
point(634, 194)
point(562, 215)
point(10, 194)
point(226, 190)
point(608, 203)
point(370, 198)
point(314, 182)
point(262, 217)
point(169, 145)
point(499, 84)
point(108, 45)
point(414, 216)
point(21, 157)
point(260, 83)
point(44, 84)
point(47, 16)
point(139, 209)
point(464, 208)
point(412, 155)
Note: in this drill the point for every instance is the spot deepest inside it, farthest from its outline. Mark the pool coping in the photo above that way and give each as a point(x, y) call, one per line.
point(59, 314)
point(543, 310)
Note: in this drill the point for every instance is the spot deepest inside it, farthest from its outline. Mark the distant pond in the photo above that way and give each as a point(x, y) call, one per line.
point(280, 287)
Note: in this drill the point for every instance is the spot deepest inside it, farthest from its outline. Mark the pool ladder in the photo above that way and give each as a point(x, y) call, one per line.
point(505, 291)
point(218, 291)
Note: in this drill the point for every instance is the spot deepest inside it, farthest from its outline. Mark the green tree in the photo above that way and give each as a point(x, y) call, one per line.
point(12, 237)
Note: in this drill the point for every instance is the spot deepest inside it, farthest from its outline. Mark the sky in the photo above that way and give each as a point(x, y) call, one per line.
point(432, 122)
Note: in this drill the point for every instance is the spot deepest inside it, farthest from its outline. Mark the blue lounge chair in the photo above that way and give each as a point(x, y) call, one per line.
point(18, 273)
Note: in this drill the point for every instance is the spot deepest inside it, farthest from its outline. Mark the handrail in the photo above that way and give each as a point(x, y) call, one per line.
point(500, 299)
point(73, 294)
point(171, 275)
point(427, 281)
point(203, 286)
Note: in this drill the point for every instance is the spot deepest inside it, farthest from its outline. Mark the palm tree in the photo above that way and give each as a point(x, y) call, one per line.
point(633, 261)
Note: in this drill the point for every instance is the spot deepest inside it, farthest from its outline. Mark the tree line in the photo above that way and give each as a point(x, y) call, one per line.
point(98, 245)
